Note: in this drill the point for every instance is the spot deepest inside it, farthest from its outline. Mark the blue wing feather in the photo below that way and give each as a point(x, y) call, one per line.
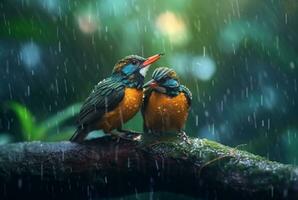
point(106, 95)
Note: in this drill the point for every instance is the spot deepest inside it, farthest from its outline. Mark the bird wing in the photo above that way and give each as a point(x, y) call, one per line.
point(187, 93)
point(106, 95)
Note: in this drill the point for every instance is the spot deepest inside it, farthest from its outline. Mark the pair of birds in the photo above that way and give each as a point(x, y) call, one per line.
point(164, 102)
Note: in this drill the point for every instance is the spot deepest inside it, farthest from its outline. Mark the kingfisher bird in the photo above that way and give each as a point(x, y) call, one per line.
point(166, 103)
point(115, 99)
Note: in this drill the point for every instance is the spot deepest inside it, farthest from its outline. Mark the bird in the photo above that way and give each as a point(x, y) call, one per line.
point(166, 103)
point(116, 99)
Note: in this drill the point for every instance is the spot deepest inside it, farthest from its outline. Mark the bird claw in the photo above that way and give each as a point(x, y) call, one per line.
point(184, 137)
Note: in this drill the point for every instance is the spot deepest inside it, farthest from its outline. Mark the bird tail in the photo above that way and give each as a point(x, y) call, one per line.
point(79, 135)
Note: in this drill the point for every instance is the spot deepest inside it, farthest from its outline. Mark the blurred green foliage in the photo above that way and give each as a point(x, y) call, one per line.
point(24, 29)
point(44, 131)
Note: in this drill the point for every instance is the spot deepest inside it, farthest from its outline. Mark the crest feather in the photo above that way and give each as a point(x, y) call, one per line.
point(163, 72)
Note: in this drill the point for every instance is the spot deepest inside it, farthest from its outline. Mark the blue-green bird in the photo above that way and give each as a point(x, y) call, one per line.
point(115, 99)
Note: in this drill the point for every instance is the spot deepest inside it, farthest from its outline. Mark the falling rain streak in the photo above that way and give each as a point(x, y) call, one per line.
point(239, 59)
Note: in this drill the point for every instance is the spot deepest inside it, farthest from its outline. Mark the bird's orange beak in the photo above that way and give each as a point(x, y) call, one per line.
point(151, 60)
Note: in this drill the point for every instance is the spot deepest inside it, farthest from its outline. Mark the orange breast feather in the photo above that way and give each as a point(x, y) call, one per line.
point(126, 109)
point(164, 113)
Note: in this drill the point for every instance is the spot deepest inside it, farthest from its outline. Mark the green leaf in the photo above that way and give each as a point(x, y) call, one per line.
point(26, 120)
point(32, 131)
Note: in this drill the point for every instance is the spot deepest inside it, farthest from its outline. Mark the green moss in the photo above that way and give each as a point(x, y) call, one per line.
point(229, 160)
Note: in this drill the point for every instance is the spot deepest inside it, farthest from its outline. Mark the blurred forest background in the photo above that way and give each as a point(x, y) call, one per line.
point(238, 57)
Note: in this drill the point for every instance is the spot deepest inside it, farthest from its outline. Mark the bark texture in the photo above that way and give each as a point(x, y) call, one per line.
point(107, 167)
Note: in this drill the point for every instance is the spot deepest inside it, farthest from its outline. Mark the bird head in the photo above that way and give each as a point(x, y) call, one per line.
point(164, 80)
point(133, 68)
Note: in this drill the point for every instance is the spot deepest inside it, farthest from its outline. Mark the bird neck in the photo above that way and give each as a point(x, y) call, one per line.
point(132, 81)
point(173, 91)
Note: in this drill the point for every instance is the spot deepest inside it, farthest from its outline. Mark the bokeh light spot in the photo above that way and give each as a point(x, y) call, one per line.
point(269, 99)
point(173, 27)
point(52, 6)
point(88, 22)
point(30, 55)
point(203, 68)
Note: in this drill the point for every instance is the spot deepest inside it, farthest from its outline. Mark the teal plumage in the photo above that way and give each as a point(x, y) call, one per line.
point(102, 109)
point(105, 97)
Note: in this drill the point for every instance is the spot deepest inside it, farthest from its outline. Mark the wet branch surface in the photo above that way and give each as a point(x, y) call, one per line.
point(107, 167)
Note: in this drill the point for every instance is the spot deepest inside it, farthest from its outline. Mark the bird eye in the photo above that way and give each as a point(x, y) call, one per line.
point(134, 62)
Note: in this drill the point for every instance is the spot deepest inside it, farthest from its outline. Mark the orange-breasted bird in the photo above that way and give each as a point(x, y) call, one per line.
point(115, 99)
point(166, 103)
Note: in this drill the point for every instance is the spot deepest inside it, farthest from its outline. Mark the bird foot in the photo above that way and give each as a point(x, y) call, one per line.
point(184, 137)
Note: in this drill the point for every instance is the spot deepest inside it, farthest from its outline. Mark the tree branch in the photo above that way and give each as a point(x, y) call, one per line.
point(106, 167)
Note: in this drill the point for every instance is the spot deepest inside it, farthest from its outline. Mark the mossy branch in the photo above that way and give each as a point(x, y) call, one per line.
point(107, 167)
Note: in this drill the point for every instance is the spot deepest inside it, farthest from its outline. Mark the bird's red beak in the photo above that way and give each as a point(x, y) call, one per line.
point(154, 85)
point(151, 84)
point(151, 60)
